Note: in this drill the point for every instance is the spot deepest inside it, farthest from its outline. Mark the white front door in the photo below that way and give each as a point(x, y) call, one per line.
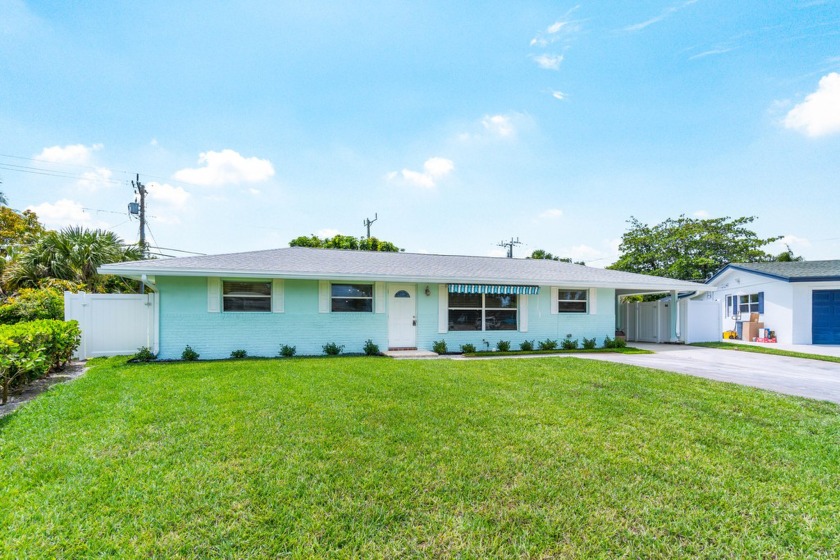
point(402, 316)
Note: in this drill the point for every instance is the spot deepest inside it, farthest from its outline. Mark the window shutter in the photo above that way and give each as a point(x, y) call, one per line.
point(734, 305)
point(593, 301)
point(443, 309)
point(761, 302)
point(323, 296)
point(553, 304)
point(523, 313)
point(214, 295)
point(379, 297)
point(278, 296)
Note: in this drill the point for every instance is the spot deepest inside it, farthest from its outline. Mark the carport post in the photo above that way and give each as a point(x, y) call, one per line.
point(675, 304)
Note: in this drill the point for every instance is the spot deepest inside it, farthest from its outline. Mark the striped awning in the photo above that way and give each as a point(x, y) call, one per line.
point(492, 289)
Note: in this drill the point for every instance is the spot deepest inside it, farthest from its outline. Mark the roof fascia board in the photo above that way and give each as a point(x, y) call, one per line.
point(749, 270)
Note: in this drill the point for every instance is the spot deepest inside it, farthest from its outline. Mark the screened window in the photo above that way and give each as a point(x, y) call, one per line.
point(572, 301)
point(246, 296)
point(748, 303)
point(482, 312)
point(352, 298)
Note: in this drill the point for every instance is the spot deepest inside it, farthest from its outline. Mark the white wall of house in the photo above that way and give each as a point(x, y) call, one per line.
point(787, 305)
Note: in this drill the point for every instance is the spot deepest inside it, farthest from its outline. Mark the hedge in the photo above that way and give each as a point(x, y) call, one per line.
point(29, 351)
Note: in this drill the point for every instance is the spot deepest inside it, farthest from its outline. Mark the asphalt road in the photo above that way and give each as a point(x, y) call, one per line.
point(791, 376)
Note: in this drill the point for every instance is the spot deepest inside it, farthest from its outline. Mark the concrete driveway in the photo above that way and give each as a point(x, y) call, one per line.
point(792, 376)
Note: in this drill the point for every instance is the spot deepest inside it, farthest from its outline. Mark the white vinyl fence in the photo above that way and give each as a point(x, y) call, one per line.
point(698, 320)
point(113, 324)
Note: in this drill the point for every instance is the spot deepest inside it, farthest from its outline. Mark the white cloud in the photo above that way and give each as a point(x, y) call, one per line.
point(95, 180)
point(72, 153)
point(819, 114)
point(64, 213)
point(548, 61)
point(557, 30)
point(327, 233)
point(702, 214)
point(226, 167)
point(670, 10)
point(551, 214)
point(500, 125)
point(433, 169)
point(255, 192)
point(167, 194)
point(558, 95)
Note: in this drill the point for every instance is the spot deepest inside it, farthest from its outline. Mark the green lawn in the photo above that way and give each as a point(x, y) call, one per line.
point(370, 457)
point(766, 350)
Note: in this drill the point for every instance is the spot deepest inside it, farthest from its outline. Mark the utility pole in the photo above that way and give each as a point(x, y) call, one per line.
point(368, 222)
point(509, 245)
point(140, 189)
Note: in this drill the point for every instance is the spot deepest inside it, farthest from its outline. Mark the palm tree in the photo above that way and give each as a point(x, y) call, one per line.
point(3, 199)
point(73, 254)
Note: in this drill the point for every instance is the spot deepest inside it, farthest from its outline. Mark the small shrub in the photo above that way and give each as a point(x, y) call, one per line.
point(370, 348)
point(589, 343)
point(144, 354)
point(503, 346)
point(287, 351)
point(547, 344)
point(467, 348)
point(526, 345)
point(619, 343)
point(608, 342)
point(569, 344)
point(439, 347)
point(238, 354)
point(332, 349)
point(189, 354)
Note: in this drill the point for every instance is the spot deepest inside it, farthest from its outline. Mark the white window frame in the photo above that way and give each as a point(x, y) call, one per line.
point(585, 301)
point(484, 309)
point(372, 296)
point(254, 296)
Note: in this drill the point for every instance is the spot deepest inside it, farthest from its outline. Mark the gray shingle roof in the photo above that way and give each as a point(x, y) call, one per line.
point(811, 270)
point(300, 262)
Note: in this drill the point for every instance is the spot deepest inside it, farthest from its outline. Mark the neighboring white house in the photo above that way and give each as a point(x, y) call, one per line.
point(800, 301)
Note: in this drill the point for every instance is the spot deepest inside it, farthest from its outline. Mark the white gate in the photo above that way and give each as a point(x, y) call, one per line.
point(113, 324)
point(650, 321)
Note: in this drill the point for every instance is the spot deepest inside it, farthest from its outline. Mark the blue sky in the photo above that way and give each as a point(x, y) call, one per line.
point(459, 124)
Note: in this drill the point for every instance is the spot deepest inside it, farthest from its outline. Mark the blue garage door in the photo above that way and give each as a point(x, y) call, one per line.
point(826, 317)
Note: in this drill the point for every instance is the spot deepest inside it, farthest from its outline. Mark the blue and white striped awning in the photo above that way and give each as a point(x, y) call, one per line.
point(492, 289)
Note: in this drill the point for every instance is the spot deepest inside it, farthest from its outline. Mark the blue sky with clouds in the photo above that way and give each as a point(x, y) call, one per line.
point(460, 124)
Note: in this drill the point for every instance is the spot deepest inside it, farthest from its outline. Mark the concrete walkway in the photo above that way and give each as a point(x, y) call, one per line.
point(822, 349)
point(792, 376)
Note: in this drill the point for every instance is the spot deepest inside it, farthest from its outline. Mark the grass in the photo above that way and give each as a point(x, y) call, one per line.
point(766, 350)
point(499, 354)
point(362, 457)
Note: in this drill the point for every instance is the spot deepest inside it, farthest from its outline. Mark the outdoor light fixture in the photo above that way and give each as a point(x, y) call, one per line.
point(427, 291)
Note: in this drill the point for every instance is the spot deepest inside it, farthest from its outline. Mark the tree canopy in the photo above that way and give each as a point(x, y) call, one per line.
point(541, 254)
point(690, 248)
point(344, 242)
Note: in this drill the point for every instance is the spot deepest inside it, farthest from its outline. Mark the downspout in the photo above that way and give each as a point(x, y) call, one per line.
point(675, 329)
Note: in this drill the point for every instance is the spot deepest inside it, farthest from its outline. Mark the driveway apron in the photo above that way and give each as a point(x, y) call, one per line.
point(792, 376)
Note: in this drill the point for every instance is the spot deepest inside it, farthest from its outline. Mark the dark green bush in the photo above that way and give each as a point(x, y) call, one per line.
point(569, 344)
point(547, 344)
point(189, 354)
point(332, 349)
point(467, 348)
point(287, 351)
point(526, 345)
point(589, 343)
point(503, 346)
point(370, 348)
point(144, 354)
point(239, 354)
point(439, 347)
point(29, 304)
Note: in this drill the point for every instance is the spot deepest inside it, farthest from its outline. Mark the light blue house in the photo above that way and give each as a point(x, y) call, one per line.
point(306, 298)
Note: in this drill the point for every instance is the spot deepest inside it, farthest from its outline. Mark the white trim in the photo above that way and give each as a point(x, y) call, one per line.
point(323, 296)
point(592, 304)
point(278, 296)
point(554, 300)
point(214, 294)
point(523, 313)
point(443, 309)
point(379, 297)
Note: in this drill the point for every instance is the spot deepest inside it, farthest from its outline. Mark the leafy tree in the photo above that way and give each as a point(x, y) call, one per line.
point(347, 242)
point(72, 254)
point(541, 254)
point(689, 248)
point(17, 231)
point(3, 199)
point(787, 256)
